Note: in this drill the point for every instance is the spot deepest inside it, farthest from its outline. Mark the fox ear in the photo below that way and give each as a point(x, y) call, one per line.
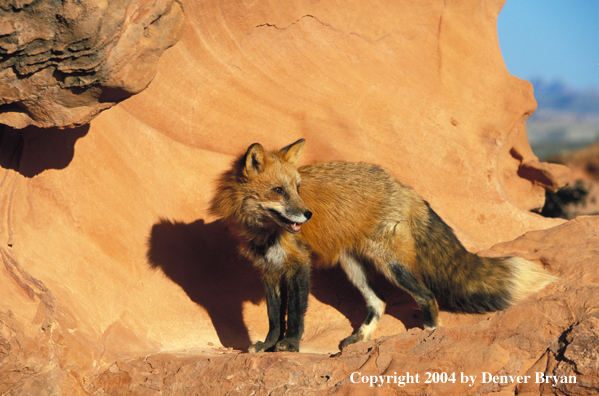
point(292, 152)
point(254, 160)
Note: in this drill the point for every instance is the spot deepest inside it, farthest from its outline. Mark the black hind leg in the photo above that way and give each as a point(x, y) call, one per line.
point(374, 305)
point(423, 296)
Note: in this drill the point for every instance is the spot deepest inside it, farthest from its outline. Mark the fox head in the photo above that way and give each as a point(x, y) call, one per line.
point(263, 189)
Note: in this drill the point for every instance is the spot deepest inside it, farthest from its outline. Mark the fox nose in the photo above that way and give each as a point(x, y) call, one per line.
point(308, 215)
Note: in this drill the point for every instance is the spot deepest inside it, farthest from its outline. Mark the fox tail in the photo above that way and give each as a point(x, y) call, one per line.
point(470, 283)
point(527, 278)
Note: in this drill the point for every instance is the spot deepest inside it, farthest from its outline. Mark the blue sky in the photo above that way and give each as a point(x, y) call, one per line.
point(552, 39)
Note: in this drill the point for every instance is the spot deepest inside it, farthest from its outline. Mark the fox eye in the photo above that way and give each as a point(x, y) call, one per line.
point(279, 190)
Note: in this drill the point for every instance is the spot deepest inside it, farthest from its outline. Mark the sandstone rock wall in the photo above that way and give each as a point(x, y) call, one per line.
point(109, 256)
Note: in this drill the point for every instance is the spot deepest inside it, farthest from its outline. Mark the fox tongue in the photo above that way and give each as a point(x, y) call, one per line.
point(295, 227)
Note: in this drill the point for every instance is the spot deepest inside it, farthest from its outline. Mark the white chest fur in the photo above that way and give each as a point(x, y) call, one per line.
point(274, 258)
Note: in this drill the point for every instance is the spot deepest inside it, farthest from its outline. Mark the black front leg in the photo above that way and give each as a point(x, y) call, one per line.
point(275, 305)
point(299, 288)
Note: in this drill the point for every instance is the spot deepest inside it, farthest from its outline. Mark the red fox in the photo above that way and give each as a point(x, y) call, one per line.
point(358, 216)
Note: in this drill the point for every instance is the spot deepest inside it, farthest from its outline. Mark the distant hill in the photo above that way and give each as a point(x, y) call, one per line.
point(566, 118)
point(557, 96)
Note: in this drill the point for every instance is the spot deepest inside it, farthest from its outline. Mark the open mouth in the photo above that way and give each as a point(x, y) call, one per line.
point(291, 226)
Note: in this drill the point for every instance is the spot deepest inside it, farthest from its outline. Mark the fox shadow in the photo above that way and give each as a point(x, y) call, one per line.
point(203, 259)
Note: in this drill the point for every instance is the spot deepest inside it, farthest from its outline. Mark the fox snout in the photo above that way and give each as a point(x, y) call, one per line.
point(291, 220)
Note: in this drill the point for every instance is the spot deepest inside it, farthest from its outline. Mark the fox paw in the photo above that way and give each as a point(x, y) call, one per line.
point(286, 345)
point(259, 347)
point(432, 325)
point(352, 339)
